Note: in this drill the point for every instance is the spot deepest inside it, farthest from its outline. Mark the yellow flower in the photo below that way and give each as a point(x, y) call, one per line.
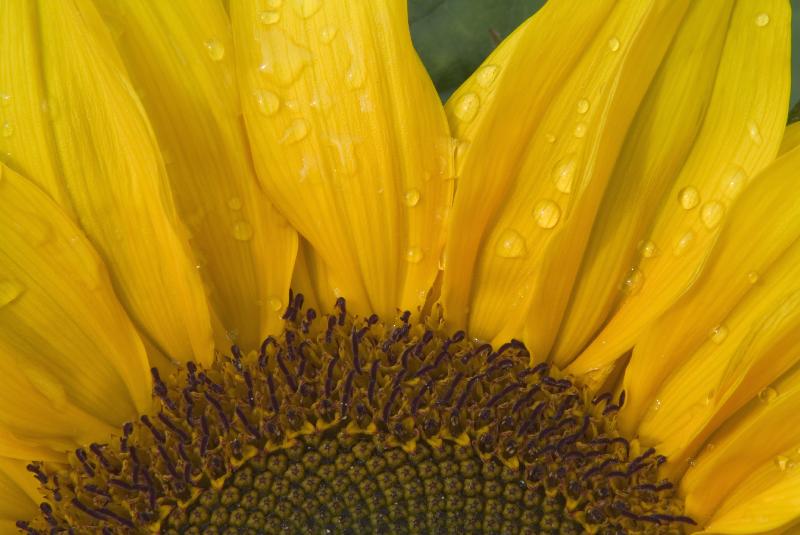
point(614, 187)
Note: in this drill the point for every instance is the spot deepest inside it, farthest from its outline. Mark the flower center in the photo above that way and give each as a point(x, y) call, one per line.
point(353, 425)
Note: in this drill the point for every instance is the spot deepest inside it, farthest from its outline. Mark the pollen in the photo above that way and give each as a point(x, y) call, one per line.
point(354, 425)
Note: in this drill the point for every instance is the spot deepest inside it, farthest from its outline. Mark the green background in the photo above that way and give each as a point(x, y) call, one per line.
point(454, 36)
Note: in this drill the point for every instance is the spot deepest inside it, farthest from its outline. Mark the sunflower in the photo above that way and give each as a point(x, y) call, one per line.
point(254, 277)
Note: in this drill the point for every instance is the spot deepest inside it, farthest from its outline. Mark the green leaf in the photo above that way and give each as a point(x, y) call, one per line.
point(454, 36)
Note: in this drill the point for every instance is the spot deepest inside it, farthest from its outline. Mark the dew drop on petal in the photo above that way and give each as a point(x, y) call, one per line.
point(648, 249)
point(683, 243)
point(269, 17)
point(10, 291)
point(328, 34)
point(8, 129)
point(689, 197)
point(411, 197)
point(753, 277)
point(235, 203)
point(633, 282)
point(656, 405)
point(711, 214)
point(215, 49)
point(486, 75)
point(613, 44)
point(414, 255)
point(734, 182)
point(296, 131)
point(754, 132)
point(767, 395)
point(582, 106)
point(550, 138)
point(242, 231)
point(467, 107)
point(510, 245)
point(5, 100)
point(546, 213)
point(564, 174)
point(719, 334)
point(47, 385)
point(781, 462)
point(275, 304)
point(761, 20)
point(306, 8)
point(267, 102)
point(580, 130)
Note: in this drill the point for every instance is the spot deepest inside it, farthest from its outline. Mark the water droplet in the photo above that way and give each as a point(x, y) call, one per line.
point(754, 132)
point(5, 100)
point(283, 60)
point(761, 20)
point(709, 397)
point(242, 230)
point(216, 50)
point(9, 292)
point(689, 197)
point(8, 129)
point(511, 244)
point(296, 131)
point(656, 405)
point(781, 462)
point(356, 74)
point(345, 153)
point(327, 34)
point(613, 44)
point(546, 213)
point(711, 214)
point(306, 8)
point(580, 130)
point(719, 334)
point(486, 75)
point(414, 255)
point(633, 282)
point(275, 304)
point(753, 277)
point(47, 385)
point(274, 4)
point(648, 249)
point(582, 106)
point(235, 203)
point(365, 103)
point(411, 197)
point(467, 107)
point(267, 101)
point(734, 182)
point(768, 394)
point(564, 174)
point(550, 138)
point(683, 243)
point(692, 462)
point(442, 260)
point(269, 17)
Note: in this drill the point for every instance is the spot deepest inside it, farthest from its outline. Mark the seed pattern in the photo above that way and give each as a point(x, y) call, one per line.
point(355, 425)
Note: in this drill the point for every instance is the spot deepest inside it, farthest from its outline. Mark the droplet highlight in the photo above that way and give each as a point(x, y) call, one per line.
point(711, 214)
point(580, 130)
point(267, 102)
point(582, 106)
point(510, 245)
point(467, 107)
point(5, 100)
point(7, 129)
point(296, 131)
point(328, 34)
point(411, 198)
point(242, 231)
point(633, 282)
point(275, 304)
point(781, 462)
point(613, 44)
point(215, 49)
point(754, 132)
point(767, 395)
point(564, 174)
point(753, 277)
point(689, 197)
point(761, 20)
point(648, 249)
point(414, 255)
point(719, 334)
point(546, 213)
point(684, 243)
point(486, 75)
point(269, 17)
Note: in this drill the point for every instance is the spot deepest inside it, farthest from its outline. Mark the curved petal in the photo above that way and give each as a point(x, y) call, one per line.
point(349, 139)
point(72, 367)
point(117, 181)
point(767, 219)
point(19, 496)
point(179, 56)
point(791, 138)
point(740, 135)
point(655, 148)
point(747, 482)
point(529, 189)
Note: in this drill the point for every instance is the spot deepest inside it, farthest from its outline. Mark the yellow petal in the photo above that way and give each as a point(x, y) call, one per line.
point(310, 278)
point(181, 61)
point(752, 466)
point(761, 227)
point(655, 148)
point(791, 138)
point(740, 135)
point(117, 181)
point(18, 495)
point(535, 170)
point(72, 367)
point(26, 142)
point(349, 140)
